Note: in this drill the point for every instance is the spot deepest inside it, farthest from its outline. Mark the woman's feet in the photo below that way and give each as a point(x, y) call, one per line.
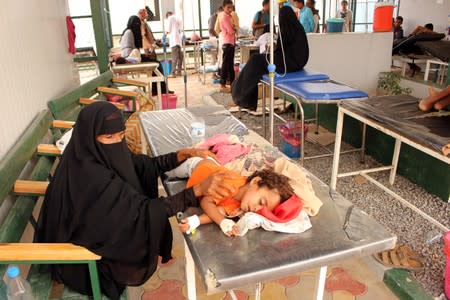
point(225, 89)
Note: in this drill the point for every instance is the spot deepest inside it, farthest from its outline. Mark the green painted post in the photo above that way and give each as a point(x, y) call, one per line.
point(108, 19)
point(101, 31)
point(95, 283)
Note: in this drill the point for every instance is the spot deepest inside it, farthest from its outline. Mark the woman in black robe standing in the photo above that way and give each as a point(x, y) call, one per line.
point(296, 53)
point(105, 198)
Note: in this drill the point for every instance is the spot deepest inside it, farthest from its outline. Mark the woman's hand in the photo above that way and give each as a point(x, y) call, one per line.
point(185, 153)
point(215, 185)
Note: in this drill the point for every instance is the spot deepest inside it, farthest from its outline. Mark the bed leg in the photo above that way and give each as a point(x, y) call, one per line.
point(190, 274)
point(317, 118)
point(263, 94)
point(363, 142)
point(337, 148)
point(159, 96)
point(321, 283)
point(398, 144)
point(258, 291)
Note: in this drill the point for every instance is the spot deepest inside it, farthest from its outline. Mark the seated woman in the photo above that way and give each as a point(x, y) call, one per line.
point(291, 55)
point(130, 41)
point(105, 198)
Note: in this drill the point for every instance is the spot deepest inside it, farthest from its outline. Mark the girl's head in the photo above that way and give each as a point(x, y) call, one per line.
point(265, 189)
point(228, 6)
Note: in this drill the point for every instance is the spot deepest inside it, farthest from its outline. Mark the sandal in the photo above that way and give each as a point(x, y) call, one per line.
point(402, 256)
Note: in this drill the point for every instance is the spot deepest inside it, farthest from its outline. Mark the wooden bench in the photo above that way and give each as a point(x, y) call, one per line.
point(68, 106)
point(25, 176)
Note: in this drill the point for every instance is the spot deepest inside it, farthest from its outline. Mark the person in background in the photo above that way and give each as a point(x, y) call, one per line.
point(131, 37)
point(311, 4)
point(175, 43)
point(261, 19)
point(305, 15)
point(398, 30)
point(290, 57)
point(130, 44)
point(148, 40)
point(228, 36)
point(105, 198)
point(428, 28)
point(212, 23)
point(347, 15)
point(213, 36)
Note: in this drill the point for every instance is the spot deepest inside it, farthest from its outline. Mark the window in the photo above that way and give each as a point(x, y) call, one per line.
point(80, 12)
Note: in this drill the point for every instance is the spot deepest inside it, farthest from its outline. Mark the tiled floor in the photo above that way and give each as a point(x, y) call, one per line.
point(359, 279)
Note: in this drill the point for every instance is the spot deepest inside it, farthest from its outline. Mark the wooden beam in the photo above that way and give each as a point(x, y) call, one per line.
point(30, 187)
point(129, 81)
point(48, 149)
point(63, 124)
point(45, 251)
point(107, 90)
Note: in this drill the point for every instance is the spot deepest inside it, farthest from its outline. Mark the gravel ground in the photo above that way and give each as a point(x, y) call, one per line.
point(409, 227)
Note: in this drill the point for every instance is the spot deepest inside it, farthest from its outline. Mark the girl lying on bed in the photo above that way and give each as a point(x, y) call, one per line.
point(265, 193)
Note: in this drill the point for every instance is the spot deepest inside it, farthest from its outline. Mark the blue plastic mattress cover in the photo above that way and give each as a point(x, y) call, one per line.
point(299, 76)
point(322, 90)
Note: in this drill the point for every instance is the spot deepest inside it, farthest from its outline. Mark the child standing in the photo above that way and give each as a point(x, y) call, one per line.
point(228, 35)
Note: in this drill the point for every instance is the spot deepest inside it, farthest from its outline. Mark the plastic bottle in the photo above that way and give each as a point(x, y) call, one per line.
point(198, 131)
point(447, 268)
point(17, 288)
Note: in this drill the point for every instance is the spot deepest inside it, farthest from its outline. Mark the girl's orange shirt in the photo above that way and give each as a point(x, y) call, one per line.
point(203, 170)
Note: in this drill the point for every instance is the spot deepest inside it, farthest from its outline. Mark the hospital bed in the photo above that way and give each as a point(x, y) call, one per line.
point(440, 50)
point(400, 118)
point(309, 87)
point(340, 231)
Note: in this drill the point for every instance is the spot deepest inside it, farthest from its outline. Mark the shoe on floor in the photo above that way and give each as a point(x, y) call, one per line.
point(402, 256)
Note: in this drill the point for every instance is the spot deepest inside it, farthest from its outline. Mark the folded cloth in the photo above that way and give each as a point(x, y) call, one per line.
point(300, 183)
point(253, 220)
point(284, 212)
point(226, 147)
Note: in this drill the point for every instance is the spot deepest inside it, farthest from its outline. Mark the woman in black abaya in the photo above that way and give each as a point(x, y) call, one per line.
point(105, 198)
point(296, 53)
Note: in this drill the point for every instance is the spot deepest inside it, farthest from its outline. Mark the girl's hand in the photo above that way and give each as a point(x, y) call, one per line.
point(186, 153)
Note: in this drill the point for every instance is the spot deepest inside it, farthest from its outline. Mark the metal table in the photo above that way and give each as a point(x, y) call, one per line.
point(398, 117)
point(147, 68)
point(340, 230)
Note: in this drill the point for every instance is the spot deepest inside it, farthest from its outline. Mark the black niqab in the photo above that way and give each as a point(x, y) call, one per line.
point(296, 55)
point(97, 200)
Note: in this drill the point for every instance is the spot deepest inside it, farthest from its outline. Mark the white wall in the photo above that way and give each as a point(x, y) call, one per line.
point(352, 58)
point(421, 12)
point(35, 64)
